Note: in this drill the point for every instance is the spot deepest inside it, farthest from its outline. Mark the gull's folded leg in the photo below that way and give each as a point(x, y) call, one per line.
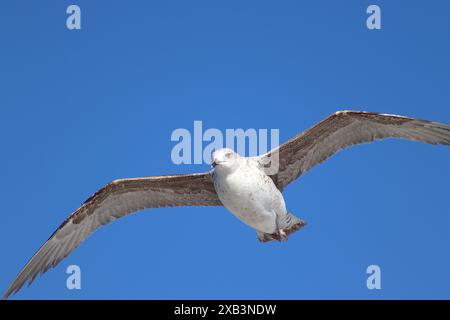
point(282, 236)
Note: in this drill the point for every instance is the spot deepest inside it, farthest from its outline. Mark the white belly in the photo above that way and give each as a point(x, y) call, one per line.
point(251, 196)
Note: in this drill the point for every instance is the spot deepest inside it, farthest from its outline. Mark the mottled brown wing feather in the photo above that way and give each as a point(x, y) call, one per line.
point(343, 129)
point(115, 200)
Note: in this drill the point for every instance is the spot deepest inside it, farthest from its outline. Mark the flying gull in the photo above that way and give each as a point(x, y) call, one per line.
point(240, 184)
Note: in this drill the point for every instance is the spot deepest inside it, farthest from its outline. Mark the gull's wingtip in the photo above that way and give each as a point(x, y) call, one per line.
point(5, 296)
point(11, 291)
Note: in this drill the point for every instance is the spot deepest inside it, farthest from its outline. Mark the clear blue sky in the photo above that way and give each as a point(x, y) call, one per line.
point(80, 108)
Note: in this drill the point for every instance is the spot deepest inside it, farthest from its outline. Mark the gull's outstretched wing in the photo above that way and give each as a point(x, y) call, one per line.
point(115, 200)
point(343, 129)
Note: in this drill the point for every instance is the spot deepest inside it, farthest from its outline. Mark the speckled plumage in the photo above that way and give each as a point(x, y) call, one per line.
point(249, 194)
point(242, 185)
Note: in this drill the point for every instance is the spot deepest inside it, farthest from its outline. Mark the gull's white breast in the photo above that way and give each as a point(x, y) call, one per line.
point(250, 195)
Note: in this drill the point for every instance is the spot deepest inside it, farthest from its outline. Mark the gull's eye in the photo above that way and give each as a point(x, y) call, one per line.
point(228, 155)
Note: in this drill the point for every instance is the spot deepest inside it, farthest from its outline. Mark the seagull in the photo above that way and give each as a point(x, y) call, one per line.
point(243, 185)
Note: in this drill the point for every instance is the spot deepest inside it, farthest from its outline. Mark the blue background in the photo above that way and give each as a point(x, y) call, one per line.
point(81, 108)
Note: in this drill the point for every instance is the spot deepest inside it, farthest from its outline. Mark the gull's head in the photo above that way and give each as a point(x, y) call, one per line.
point(224, 159)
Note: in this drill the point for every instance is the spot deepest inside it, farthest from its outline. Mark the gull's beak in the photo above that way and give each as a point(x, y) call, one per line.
point(214, 164)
